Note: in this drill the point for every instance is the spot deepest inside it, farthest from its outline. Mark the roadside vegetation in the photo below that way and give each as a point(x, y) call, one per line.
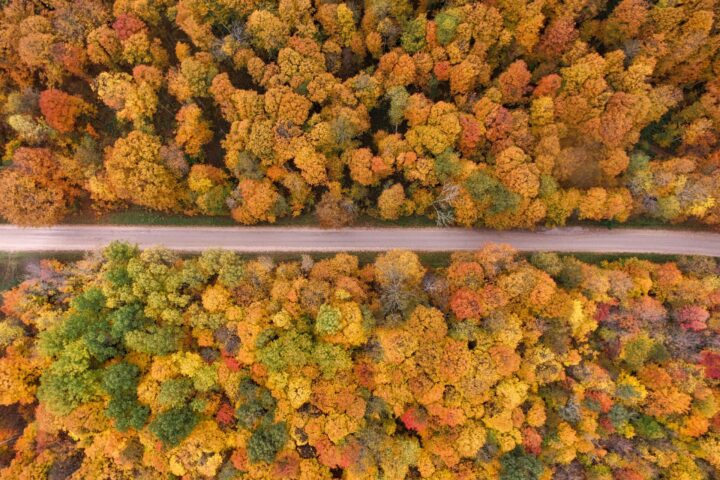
point(472, 113)
point(143, 216)
point(18, 266)
point(487, 364)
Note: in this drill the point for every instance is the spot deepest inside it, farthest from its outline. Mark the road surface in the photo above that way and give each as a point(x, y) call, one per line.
point(298, 239)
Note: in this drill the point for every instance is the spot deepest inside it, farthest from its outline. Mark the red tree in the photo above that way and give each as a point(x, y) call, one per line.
point(711, 361)
point(692, 317)
point(466, 304)
point(61, 110)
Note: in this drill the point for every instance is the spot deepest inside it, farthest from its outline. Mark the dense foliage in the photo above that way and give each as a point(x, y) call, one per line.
point(144, 365)
point(490, 113)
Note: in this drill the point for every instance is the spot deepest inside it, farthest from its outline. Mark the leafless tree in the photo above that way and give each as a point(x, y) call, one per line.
point(444, 212)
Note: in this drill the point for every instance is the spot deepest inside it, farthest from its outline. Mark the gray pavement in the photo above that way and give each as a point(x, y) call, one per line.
point(299, 239)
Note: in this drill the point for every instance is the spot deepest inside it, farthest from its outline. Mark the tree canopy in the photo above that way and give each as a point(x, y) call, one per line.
point(143, 364)
point(472, 113)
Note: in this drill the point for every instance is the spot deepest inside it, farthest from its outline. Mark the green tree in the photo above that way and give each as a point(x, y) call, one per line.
point(266, 442)
point(328, 321)
point(69, 381)
point(331, 359)
point(154, 340)
point(256, 405)
point(173, 426)
point(447, 165)
point(176, 392)
point(447, 23)
point(518, 465)
point(228, 266)
point(291, 349)
point(127, 413)
point(486, 188)
point(398, 102)
point(120, 381)
point(413, 37)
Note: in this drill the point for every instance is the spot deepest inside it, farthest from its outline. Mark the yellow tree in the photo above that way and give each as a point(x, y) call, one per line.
point(135, 99)
point(312, 165)
point(193, 78)
point(440, 133)
point(466, 75)
point(365, 168)
point(268, 32)
point(209, 187)
point(392, 203)
point(135, 173)
point(256, 201)
point(517, 173)
point(193, 131)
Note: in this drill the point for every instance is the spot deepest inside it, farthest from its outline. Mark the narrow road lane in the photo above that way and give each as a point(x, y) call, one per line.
point(293, 239)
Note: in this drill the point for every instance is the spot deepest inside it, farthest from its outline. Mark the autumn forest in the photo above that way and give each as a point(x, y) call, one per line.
point(500, 114)
point(125, 363)
point(134, 364)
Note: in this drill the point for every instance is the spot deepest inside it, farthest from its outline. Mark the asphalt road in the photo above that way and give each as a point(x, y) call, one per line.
point(296, 239)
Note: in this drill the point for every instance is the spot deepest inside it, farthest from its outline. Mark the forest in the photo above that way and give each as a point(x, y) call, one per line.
point(495, 113)
point(131, 364)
